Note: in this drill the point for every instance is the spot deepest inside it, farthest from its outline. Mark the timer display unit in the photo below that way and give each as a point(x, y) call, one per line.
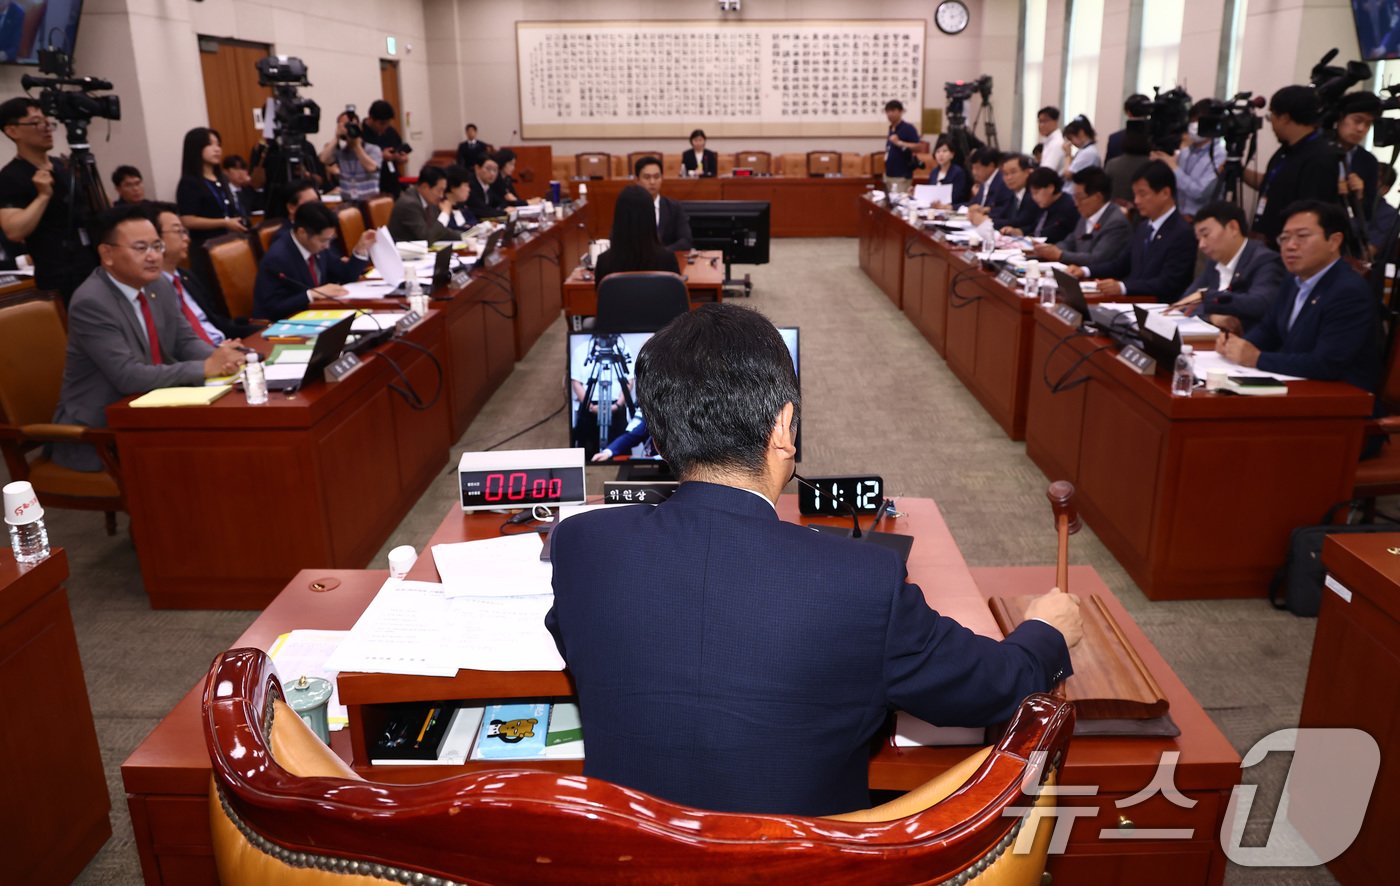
point(521, 479)
point(838, 496)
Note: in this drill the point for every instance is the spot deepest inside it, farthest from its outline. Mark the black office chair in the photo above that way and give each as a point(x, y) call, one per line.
point(640, 301)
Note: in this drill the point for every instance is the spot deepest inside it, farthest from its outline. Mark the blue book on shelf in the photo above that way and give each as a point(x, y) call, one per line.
point(512, 732)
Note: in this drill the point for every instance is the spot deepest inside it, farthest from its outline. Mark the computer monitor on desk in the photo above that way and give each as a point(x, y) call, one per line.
point(738, 228)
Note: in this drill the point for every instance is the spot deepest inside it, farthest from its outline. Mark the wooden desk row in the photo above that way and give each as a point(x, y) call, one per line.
point(1195, 496)
point(167, 777)
point(800, 207)
point(228, 501)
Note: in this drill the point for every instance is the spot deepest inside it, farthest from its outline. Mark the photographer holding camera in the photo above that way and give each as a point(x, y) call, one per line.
point(359, 162)
point(1359, 171)
point(379, 130)
point(1196, 164)
point(36, 201)
point(1303, 168)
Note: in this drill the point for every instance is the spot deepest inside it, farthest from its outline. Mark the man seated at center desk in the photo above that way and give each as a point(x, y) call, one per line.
point(305, 260)
point(672, 224)
point(751, 667)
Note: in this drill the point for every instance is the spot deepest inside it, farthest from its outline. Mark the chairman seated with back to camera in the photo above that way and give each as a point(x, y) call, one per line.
point(744, 663)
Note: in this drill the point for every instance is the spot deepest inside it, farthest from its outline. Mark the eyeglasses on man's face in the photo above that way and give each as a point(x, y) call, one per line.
point(142, 248)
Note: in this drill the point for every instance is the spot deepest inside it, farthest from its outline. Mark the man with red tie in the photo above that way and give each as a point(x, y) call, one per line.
point(206, 313)
point(305, 261)
point(127, 334)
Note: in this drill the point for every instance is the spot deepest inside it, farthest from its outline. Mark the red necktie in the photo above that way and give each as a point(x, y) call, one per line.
point(189, 314)
point(311, 266)
point(151, 338)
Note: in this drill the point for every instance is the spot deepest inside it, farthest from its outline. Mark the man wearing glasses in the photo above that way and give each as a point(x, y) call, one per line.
point(36, 203)
point(126, 333)
point(304, 263)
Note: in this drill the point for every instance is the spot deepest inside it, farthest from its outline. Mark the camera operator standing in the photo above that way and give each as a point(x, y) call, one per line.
point(359, 162)
point(1303, 168)
point(36, 203)
point(1359, 170)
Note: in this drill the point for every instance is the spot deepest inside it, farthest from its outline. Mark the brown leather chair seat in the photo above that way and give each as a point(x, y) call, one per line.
point(59, 480)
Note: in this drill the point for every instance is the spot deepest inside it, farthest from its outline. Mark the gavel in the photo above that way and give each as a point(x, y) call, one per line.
point(1067, 523)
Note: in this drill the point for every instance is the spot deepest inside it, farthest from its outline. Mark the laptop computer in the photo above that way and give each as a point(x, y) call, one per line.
point(1162, 349)
point(1072, 294)
point(329, 344)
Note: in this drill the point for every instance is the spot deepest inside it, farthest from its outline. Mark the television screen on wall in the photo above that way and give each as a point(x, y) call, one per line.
point(1377, 28)
point(27, 26)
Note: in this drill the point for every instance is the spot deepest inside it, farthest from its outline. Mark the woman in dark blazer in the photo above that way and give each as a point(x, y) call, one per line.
point(697, 160)
point(207, 205)
point(948, 170)
point(634, 245)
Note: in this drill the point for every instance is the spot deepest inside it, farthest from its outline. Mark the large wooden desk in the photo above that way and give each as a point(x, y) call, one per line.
point(800, 207)
point(1354, 682)
point(704, 281)
point(1195, 496)
point(53, 793)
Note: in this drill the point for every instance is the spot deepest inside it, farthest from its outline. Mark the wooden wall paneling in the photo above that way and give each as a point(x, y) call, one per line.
point(1054, 421)
point(358, 477)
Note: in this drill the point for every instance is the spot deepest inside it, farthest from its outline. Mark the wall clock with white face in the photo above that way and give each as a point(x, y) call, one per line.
point(952, 17)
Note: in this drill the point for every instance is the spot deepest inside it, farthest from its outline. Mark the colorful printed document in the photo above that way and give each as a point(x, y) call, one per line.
point(512, 732)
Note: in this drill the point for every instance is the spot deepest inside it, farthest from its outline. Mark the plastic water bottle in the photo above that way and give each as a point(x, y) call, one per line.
point(1184, 373)
point(254, 381)
point(1032, 280)
point(29, 538)
point(582, 193)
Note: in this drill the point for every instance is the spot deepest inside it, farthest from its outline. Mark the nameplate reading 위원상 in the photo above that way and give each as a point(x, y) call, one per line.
point(1137, 360)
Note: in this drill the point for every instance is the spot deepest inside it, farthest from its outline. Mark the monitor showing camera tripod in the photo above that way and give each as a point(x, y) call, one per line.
point(600, 371)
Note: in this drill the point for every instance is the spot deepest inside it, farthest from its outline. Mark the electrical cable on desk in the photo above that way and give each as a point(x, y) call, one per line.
point(546, 522)
point(436, 364)
point(1045, 369)
point(495, 280)
point(1063, 383)
point(953, 293)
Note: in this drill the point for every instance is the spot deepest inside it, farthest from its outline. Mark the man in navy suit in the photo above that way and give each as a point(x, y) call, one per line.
point(303, 261)
point(1020, 211)
point(1055, 215)
point(1242, 277)
point(747, 662)
point(988, 189)
point(672, 224)
point(1325, 324)
point(1163, 254)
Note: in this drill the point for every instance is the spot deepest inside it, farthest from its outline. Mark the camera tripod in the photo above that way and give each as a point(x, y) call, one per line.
point(610, 361)
point(1239, 152)
point(86, 197)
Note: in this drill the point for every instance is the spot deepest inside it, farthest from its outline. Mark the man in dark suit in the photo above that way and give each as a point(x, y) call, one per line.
point(1102, 231)
point(1115, 139)
point(1303, 168)
point(697, 161)
point(469, 151)
point(205, 312)
point(126, 334)
point(481, 200)
point(1163, 254)
point(1359, 111)
point(1056, 216)
point(988, 189)
point(1325, 323)
point(304, 261)
point(672, 224)
point(751, 668)
point(1020, 210)
point(1241, 278)
point(423, 211)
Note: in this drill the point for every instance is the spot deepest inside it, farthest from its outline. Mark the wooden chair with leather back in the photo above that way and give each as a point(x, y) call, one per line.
point(640, 301)
point(593, 165)
point(1380, 476)
point(633, 157)
point(877, 163)
point(234, 268)
point(761, 162)
point(378, 209)
point(266, 232)
point(284, 809)
point(823, 163)
point(33, 345)
point(351, 219)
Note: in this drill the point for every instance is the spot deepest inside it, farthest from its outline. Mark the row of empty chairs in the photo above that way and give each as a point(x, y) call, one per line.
point(596, 164)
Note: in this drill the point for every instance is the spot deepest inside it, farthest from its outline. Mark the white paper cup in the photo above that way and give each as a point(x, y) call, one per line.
point(21, 504)
point(1216, 379)
point(401, 559)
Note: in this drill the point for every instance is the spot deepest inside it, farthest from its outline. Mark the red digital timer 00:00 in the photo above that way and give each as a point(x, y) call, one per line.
point(517, 486)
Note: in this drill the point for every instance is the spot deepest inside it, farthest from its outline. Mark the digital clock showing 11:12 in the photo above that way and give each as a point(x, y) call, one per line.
point(838, 496)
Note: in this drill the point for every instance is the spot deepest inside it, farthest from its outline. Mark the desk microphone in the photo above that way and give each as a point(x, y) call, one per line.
point(855, 518)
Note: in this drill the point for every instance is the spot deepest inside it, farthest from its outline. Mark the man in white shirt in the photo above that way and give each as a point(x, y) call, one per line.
point(1242, 277)
point(1052, 141)
point(1196, 164)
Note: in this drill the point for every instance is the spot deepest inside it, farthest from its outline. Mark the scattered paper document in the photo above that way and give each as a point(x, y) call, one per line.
point(385, 257)
point(304, 653)
point(406, 629)
point(368, 289)
point(911, 732)
point(283, 371)
point(1206, 361)
point(283, 355)
point(504, 634)
point(931, 194)
point(509, 566)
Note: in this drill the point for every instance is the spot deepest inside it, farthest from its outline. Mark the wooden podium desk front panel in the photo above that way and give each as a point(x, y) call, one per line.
point(704, 281)
point(1195, 496)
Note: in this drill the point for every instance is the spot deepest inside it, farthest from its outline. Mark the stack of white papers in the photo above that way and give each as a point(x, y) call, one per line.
point(1204, 362)
point(376, 322)
point(385, 258)
point(509, 566)
point(368, 288)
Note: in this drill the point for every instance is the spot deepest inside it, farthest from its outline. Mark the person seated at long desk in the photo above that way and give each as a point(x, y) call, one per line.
point(699, 162)
point(633, 243)
point(303, 261)
point(420, 211)
point(672, 224)
point(126, 333)
point(1102, 231)
point(1163, 254)
point(1018, 212)
point(988, 190)
point(481, 200)
point(1242, 277)
point(756, 659)
point(948, 170)
point(1055, 214)
point(1324, 324)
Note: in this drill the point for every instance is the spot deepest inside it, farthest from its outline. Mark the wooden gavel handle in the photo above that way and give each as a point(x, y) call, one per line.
point(1062, 555)
point(1061, 494)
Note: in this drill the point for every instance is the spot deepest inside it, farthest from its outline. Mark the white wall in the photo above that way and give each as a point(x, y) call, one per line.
point(149, 50)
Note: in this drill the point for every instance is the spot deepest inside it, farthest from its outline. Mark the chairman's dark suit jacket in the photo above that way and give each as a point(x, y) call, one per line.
point(1055, 222)
point(1161, 267)
point(284, 278)
point(673, 230)
point(1097, 245)
point(1254, 287)
point(411, 220)
point(109, 358)
point(1337, 335)
point(213, 307)
point(728, 660)
point(709, 163)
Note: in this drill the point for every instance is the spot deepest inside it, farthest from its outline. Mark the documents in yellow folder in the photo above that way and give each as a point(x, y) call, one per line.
point(192, 396)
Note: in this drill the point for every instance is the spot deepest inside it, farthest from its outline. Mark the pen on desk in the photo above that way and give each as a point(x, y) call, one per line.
point(427, 722)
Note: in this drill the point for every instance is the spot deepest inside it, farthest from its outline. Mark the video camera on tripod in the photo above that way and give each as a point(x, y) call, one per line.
point(958, 92)
point(610, 362)
point(1164, 118)
point(70, 101)
point(293, 116)
point(1331, 83)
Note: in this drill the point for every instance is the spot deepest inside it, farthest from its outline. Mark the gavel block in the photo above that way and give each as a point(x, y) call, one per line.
point(1110, 681)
